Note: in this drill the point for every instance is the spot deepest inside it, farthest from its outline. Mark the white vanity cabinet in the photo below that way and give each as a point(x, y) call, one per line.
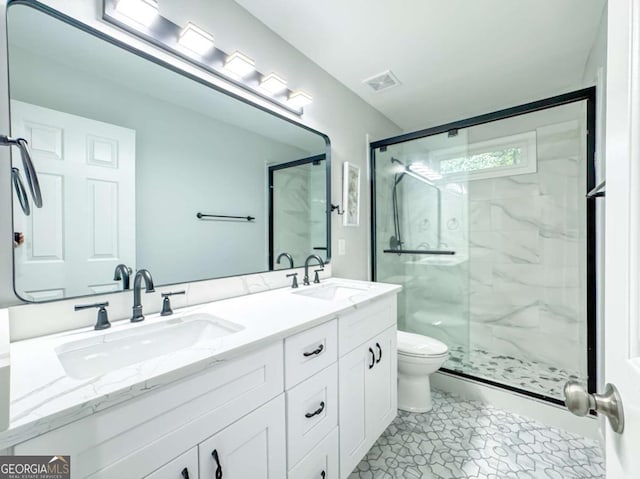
point(367, 382)
point(139, 436)
point(308, 406)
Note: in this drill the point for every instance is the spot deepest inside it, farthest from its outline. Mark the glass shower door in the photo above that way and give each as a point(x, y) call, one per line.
point(422, 239)
point(487, 230)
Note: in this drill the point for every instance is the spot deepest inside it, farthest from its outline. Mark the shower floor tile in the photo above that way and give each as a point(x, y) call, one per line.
point(531, 376)
point(462, 439)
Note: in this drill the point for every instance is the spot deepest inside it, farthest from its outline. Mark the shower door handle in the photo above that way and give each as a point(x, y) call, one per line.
point(580, 402)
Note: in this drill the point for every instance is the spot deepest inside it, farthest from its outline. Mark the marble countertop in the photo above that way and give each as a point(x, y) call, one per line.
point(44, 396)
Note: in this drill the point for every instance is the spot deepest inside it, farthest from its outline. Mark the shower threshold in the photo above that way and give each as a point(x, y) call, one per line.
point(531, 376)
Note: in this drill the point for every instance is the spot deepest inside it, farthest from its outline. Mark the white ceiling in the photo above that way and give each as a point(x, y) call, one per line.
point(454, 58)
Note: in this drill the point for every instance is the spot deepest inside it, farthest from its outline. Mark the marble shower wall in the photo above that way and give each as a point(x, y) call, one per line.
point(300, 221)
point(527, 257)
point(291, 232)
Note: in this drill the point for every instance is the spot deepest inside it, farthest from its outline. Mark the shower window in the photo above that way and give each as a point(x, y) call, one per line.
point(505, 156)
point(485, 224)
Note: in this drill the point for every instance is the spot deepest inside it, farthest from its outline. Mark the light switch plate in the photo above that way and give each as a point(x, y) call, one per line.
point(342, 247)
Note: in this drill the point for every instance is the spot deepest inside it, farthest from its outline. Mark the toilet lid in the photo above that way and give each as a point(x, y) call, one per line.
point(419, 345)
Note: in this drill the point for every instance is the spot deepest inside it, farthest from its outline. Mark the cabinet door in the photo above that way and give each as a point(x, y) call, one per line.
point(253, 447)
point(368, 396)
point(321, 462)
point(353, 371)
point(184, 466)
point(381, 404)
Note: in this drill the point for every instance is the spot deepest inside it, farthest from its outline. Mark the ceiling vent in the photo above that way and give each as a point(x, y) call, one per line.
point(382, 81)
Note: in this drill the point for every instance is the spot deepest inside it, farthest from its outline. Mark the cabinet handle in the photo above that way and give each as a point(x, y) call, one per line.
point(318, 350)
point(185, 473)
point(323, 474)
point(314, 413)
point(214, 454)
point(379, 353)
point(373, 358)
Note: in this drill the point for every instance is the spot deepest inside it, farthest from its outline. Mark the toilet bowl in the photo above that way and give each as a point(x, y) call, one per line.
point(418, 357)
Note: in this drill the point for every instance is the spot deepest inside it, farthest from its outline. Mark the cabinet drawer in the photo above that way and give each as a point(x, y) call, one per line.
point(253, 447)
point(308, 352)
point(312, 412)
point(354, 328)
point(184, 466)
point(321, 462)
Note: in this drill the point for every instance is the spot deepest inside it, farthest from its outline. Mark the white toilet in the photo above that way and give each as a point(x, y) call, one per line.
point(418, 357)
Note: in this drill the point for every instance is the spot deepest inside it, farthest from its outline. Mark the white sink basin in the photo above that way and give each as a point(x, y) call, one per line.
point(332, 292)
point(107, 352)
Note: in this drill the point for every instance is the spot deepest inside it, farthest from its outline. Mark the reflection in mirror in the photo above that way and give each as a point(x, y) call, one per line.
point(128, 152)
point(298, 211)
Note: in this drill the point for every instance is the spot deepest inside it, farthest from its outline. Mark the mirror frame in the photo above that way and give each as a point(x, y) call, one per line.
point(176, 68)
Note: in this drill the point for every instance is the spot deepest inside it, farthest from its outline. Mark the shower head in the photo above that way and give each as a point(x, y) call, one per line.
point(397, 178)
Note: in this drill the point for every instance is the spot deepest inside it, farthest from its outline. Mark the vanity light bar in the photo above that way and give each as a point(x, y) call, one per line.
point(273, 83)
point(195, 45)
point(144, 12)
point(240, 64)
point(196, 39)
point(300, 98)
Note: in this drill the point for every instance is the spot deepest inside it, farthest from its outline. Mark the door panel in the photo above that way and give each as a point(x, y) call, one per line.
point(254, 446)
point(87, 174)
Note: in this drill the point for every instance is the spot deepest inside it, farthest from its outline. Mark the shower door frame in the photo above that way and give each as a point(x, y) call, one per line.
point(586, 94)
point(271, 169)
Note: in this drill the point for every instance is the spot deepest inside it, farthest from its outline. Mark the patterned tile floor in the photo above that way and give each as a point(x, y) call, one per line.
point(529, 375)
point(462, 439)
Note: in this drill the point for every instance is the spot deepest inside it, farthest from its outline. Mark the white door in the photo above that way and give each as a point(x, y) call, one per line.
point(86, 226)
point(253, 447)
point(622, 243)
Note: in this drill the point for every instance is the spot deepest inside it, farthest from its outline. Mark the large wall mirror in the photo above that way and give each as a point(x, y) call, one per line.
point(129, 151)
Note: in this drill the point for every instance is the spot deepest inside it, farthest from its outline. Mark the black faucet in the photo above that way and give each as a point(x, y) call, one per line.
point(137, 286)
point(122, 272)
point(166, 302)
point(103, 319)
point(305, 281)
point(286, 255)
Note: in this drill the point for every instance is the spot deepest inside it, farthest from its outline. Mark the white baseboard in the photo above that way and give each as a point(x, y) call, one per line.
point(542, 411)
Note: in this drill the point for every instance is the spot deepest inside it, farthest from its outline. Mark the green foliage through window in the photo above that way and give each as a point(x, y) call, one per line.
point(482, 161)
